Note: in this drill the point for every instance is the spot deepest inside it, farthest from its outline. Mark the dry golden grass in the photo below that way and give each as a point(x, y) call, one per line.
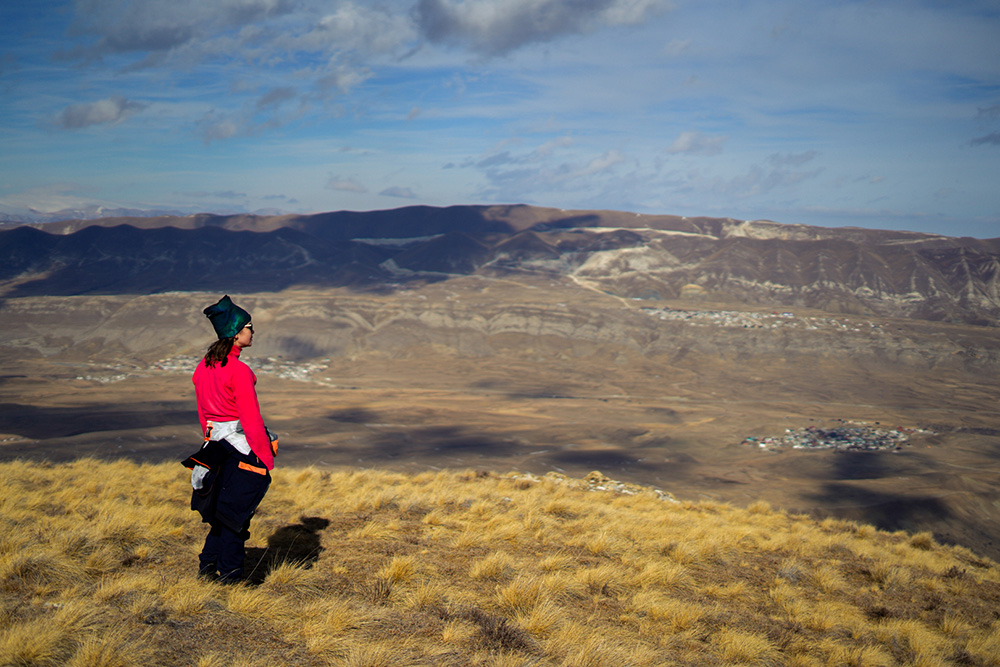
point(371, 568)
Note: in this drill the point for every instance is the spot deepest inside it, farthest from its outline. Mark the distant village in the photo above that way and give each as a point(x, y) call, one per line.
point(306, 371)
point(846, 436)
point(759, 320)
point(281, 368)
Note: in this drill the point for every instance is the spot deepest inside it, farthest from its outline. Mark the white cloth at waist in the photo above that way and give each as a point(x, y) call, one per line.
point(231, 432)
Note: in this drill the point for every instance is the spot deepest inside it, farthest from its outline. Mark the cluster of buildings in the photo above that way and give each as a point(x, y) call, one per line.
point(177, 364)
point(847, 436)
point(287, 370)
point(760, 320)
point(103, 379)
point(282, 368)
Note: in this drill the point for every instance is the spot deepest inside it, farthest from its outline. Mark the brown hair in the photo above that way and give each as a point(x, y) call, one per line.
point(218, 352)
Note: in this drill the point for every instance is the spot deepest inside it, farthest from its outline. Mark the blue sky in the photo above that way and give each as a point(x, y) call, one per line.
point(873, 114)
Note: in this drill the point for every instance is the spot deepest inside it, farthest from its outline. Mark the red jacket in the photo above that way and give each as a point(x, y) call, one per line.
point(226, 393)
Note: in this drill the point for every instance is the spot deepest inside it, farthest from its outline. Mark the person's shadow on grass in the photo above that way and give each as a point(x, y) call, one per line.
point(297, 544)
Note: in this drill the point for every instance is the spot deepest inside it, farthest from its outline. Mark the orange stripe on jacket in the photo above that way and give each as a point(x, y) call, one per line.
point(247, 466)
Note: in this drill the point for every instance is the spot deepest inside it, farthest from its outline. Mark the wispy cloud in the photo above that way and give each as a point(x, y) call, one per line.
point(991, 139)
point(601, 164)
point(345, 184)
point(53, 197)
point(570, 103)
point(276, 97)
point(779, 160)
point(677, 47)
point(495, 27)
point(400, 192)
point(134, 26)
point(989, 112)
point(222, 194)
point(780, 171)
point(111, 110)
point(534, 173)
point(697, 143)
point(215, 126)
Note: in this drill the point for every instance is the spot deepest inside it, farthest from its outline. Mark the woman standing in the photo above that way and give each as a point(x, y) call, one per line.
point(231, 472)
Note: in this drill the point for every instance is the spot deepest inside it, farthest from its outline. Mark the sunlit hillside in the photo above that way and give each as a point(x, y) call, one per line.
point(371, 568)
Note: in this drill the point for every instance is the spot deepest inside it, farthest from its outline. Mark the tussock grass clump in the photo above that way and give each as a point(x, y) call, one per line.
point(98, 565)
point(495, 566)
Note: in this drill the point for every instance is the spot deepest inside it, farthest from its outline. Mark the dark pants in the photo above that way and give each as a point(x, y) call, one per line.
point(223, 553)
point(228, 506)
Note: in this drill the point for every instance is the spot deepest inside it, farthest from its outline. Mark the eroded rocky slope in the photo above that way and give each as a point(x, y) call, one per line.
point(756, 263)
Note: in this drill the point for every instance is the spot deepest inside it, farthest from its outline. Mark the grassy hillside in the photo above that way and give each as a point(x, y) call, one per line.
point(371, 568)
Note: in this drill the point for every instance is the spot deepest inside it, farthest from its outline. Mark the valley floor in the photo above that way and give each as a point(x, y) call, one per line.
point(656, 424)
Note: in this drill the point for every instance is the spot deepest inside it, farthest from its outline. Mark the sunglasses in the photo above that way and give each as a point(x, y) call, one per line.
point(250, 327)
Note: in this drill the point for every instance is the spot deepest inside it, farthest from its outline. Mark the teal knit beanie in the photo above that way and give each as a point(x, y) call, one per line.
point(227, 318)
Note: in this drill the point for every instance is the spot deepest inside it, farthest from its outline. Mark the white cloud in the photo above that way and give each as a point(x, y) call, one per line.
point(131, 26)
point(300, 47)
point(697, 143)
point(602, 163)
point(341, 78)
point(345, 185)
point(374, 29)
point(593, 91)
point(549, 147)
point(555, 168)
point(264, 33)
point(506, 157)
point(676, 47)
point(495, 27)
point(111, 110)
point(397, 191)
point(218, 127)
point(779, 172)
point(53, 197)
point(222, 194)
point(791, 159)
point(276, 97)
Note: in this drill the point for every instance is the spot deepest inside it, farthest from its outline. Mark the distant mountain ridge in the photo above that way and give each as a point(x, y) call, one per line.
point(89, 212)
point(658, 257)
